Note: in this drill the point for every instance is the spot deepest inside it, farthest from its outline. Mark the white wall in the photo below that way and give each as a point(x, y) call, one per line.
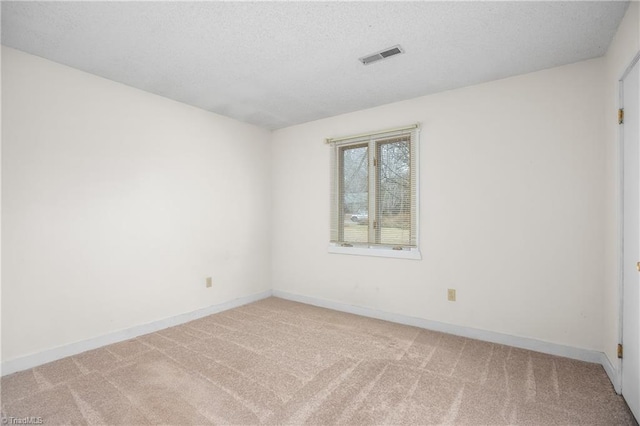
point(117, 204)
point(624, 47)
point(511, 198)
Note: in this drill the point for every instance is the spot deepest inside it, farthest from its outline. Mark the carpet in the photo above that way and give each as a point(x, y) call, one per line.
point(279, 362)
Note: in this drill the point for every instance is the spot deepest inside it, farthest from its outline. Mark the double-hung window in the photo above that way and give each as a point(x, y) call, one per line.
point(374, 205)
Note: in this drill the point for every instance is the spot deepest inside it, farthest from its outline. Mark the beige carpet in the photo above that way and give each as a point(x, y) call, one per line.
point(280, 362)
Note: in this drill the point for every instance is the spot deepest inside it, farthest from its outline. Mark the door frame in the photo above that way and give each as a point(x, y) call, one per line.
point(620, 215)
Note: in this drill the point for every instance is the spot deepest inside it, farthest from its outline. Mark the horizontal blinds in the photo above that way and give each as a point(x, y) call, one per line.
point(393, 195)
point(368, 136)
point(336, 191)
point(374, 189)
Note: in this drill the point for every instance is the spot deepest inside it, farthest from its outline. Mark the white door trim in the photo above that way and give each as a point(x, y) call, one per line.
point(626, 72)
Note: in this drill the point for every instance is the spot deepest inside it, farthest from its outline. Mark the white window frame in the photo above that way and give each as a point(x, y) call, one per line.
point(373, 139)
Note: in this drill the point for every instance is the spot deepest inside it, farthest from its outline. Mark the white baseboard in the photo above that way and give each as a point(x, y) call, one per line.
point(473, 333)
point(612, 372)
point(34, 360)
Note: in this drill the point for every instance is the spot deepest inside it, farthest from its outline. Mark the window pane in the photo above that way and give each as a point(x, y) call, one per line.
point(394, 192)
point(355, 194)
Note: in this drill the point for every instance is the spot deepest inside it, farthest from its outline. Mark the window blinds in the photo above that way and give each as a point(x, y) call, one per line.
point(374, 189)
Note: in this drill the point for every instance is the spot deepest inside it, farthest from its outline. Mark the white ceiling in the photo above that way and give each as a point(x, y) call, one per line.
point(275, 64)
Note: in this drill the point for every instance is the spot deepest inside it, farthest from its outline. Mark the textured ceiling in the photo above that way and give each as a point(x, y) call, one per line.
point(275, 64)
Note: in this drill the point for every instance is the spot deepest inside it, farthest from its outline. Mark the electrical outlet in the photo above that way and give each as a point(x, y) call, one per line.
point(451, 294)
point(209, 282)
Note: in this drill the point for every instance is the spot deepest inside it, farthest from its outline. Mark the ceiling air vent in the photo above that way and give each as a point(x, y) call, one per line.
point(384, 54)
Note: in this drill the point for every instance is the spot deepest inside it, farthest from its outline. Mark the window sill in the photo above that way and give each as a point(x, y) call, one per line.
point(413, 254)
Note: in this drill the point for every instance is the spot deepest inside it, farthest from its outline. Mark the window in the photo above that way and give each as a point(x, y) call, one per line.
point(374, 194)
